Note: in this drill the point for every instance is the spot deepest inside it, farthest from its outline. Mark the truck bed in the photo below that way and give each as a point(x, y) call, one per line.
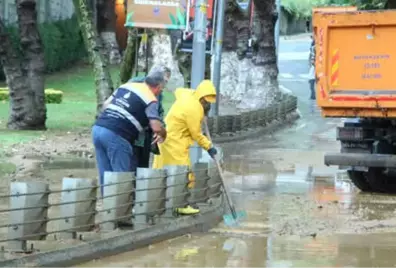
point(356, 63)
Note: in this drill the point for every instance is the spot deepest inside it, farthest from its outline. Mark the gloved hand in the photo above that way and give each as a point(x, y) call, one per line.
point(212, 152)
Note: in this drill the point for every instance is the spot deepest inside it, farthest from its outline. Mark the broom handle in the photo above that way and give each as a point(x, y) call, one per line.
point(220, 171)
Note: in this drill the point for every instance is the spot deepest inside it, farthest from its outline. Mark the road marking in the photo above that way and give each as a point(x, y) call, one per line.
point(286, 75)
point(285, 89)
point(288, 56)
point(300, 126)
point(292, 77)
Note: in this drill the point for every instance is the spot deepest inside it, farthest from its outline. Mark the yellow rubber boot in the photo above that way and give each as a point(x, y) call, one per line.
point(189, 210)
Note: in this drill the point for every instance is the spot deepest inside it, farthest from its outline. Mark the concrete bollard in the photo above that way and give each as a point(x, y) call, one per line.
point(117, 199)
point(79, 206)
point(28, 214)
point(177, 191)
point(199, 194)
point(214, 182)
point(195, 153)
point(150, 195)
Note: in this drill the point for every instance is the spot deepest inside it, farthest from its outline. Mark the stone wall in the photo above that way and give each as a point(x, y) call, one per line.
point(231, 127)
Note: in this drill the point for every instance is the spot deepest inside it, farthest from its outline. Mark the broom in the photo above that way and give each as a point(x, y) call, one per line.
point(233, 218)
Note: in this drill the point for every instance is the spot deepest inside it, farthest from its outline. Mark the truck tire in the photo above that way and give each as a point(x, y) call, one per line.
point(380, 182)
point(360, 180)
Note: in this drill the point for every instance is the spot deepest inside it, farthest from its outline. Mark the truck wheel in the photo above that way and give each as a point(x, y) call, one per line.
point(381, 182)
point(359, 179)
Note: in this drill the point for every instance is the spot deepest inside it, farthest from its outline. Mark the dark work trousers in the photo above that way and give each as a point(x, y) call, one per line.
point(143, 153)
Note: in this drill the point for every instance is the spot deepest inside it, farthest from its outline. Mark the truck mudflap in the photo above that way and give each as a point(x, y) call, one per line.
point(360, 160)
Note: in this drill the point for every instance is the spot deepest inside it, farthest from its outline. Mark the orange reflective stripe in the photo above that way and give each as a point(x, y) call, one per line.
point(335, 67)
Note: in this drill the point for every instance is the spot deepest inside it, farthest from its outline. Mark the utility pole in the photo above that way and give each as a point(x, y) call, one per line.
point(198, 58)
point(199, 44)
point(216, 73)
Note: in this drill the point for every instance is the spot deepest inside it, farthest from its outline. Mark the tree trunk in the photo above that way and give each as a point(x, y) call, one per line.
point(129, 60)
point(103, 82)
point(265, 58)
point(25, 77)
point(236, 30)
point(249, 82)
point(160, 52)
point(106, 26)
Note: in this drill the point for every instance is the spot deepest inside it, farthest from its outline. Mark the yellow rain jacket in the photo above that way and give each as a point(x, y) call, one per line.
point(183, 126)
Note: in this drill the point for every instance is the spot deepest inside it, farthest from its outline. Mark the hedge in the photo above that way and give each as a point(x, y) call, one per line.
point(51, 95)
point(62, 41)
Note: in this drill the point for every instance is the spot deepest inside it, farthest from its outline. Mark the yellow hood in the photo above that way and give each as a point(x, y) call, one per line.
point(206, 89)
point(183, 92)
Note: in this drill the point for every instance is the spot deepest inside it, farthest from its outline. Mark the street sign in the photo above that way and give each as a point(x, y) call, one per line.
point(156, 14)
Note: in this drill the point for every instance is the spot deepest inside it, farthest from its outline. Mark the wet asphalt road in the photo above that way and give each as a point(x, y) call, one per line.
point(300, 213)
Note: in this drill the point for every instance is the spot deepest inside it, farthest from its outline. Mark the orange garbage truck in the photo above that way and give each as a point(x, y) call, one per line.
point(356, 80)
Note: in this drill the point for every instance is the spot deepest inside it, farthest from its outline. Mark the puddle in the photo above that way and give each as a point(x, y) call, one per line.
point(68, 163)
point(292, 220)
point(222, 251)
point(299, 214)
point(53, 170)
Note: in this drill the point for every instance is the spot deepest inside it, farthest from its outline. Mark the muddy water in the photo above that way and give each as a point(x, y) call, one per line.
point(300, 213)
point(223, 251)
point(295, 218)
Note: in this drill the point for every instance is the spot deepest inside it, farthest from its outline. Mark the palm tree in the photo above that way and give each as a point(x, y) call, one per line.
point(94, 45)
point(264, 19)
point(25, 73)
point(130, 56)
point(106, 26)
point(256, 74)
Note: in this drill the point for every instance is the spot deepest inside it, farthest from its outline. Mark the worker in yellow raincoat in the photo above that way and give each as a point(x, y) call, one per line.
point(183, 126)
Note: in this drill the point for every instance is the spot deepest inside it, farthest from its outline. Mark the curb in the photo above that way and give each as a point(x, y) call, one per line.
point(127, 241)
point(290, 118)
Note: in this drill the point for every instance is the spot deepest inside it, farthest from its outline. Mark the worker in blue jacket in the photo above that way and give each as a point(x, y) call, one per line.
point(142, 146)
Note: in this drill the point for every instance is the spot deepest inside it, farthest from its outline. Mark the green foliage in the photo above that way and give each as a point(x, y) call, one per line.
point(62, 41)
point(303, 8)
point(370, 4)
point(76, 112)
point(51, 95)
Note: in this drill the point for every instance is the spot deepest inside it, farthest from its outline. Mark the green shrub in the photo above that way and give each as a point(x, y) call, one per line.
point(51, 95)
point(62, 41)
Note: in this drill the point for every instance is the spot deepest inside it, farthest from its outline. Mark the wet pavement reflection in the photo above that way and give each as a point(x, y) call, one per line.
point(294, 219)
point(299, 212)
point(222, 251)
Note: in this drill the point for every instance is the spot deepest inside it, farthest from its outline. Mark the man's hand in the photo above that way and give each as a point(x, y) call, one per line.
point(157, 139)
point(158, 129)
point(212, 152)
